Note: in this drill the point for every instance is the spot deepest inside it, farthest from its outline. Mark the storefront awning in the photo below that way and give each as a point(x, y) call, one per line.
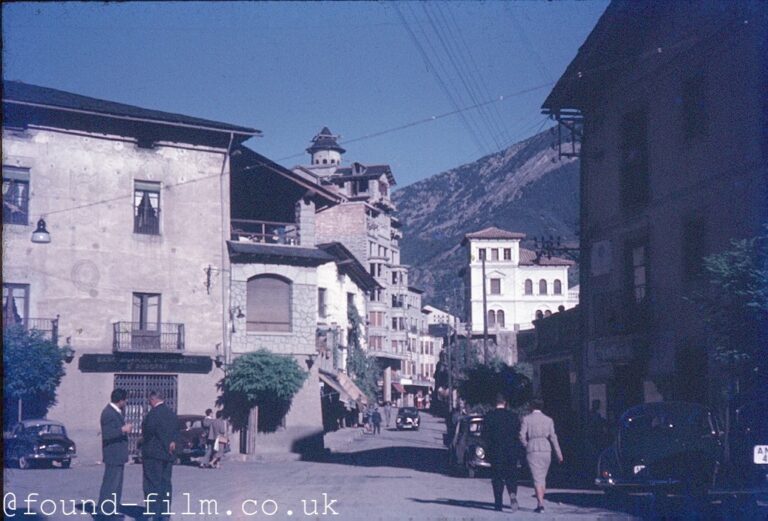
point(352, 389)
point(399, 388)
point(331, 382)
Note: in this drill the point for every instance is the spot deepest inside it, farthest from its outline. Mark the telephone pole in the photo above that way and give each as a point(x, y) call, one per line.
point(485, 316)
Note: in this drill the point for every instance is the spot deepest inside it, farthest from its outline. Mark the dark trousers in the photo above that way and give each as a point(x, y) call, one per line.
point(377, 428)
point(111, 486)
point(157, 480)
point(503, 475)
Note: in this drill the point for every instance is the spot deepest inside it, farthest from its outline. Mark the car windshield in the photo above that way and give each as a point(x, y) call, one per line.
point(651, 425)
point(48, 428)
point(476, 428)
point(408, 410)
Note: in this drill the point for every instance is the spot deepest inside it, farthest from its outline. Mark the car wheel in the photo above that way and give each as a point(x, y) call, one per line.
point(66, 464)
point(471, 472)
point(24, 463)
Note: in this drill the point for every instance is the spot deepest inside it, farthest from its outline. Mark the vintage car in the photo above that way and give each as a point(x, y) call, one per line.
point(663, 447)
point(407, 418)
point(749, 447)
point(466, 449)
point(33, 442)
point(192, 437)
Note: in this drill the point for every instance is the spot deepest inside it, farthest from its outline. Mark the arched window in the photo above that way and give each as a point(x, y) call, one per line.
point(325, 161)
point(500, 318)
point(542, 287)
point(491, 318)
point(558, 287)
point(539, 314)
point(268, 305)
point(528, 287)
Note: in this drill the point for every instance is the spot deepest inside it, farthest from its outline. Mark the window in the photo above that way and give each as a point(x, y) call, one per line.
point(15, 303)
point(375, 269)
point(15, 195)
point(268, 304)
point(558, 287)
point(494, 254)
point(145, 329)
point(322, 308)
point(500, 318)
point(528, 287)
point(694, 114)
point(146, 208)
point(383, 189)
point(634, 159)
point(350, 301)
point(495, 286)
point(376, 342)
point(507, 254)
point(542, 287)
point(639, 273)
point(375, 295)
point(481, 254)
point(491, 318)
point(376, 318)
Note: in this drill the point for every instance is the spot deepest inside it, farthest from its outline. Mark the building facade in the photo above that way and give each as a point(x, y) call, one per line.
point(125, 273)
point(673, 152)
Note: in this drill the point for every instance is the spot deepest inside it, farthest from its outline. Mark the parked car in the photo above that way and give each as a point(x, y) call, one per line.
point(192, 437)
point(408, 418)
point(466, 450)
point(33, 442)
point(663, 447)
point(749, 447)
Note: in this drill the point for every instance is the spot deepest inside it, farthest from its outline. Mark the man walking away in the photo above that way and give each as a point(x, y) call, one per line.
point(500, 430)
point(158, 450)
point(376, 419)
point(114, 447)
point(210, 437)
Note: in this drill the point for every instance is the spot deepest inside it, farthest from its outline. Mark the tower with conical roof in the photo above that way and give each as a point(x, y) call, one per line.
point(325, 151)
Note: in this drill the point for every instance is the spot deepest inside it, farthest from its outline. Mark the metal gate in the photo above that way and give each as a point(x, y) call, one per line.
point(139, 387)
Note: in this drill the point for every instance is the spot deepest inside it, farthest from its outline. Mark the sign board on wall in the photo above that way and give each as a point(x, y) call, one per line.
point(111, 363)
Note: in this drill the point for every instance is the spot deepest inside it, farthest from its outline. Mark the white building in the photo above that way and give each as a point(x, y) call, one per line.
point(519, 286)
point(436, 316)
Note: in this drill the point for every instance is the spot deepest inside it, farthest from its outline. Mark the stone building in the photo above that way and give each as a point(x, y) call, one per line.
point(665, 104)
point(519, 286)
point(136, 206)
point(364, 222)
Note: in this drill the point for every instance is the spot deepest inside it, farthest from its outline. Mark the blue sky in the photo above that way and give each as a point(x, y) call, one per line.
point(289, 69)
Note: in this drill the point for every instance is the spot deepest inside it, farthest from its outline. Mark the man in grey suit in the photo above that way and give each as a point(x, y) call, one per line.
point(114, 446)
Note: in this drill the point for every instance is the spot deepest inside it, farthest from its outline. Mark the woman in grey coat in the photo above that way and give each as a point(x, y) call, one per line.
point(537, 434)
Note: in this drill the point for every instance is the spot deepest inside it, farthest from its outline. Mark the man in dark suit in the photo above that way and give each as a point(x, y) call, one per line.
point(158, 452)
point(501, 428)
point(114, 447)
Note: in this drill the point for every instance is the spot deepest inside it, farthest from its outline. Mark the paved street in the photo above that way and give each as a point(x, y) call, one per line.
point(398, 475)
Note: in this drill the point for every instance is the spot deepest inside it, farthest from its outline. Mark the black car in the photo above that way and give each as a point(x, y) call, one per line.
point(33, 442)
point(466, 449)
point(663, 447)
point(749, 447)
point(408, 418)
point(192, 437)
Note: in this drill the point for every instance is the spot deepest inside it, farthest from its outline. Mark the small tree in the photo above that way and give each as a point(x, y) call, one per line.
point(483, 382)
point(262, 379)
point(363, 369)
point(33, 367)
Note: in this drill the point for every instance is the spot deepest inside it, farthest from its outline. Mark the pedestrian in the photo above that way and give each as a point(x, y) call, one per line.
point(210, 438)
point(537, 434)
point(114, 448)
point(158, 452)
point(376, 419)
point(501, 428)
point(388, 412)
point(222, 439)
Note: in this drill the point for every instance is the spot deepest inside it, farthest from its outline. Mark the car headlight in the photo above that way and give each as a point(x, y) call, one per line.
point(399, 420)
point(42, 447)
point(72, 448)
point(480, 452)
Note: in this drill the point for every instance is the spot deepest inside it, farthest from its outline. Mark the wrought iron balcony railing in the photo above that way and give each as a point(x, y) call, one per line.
point(265, 231)
point(132, 337)
point(49, 327)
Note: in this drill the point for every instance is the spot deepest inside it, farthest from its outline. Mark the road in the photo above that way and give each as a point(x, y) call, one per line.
point(392, 476)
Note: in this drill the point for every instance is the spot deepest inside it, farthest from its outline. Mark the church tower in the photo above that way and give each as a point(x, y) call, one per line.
point(325, 151)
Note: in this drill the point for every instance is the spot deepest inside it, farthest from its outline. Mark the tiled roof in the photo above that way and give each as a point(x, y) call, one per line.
point(16, 91)
point(325, 140)
point(494, 233)
point(528, 258)
point(248, 252)
point(367, 172)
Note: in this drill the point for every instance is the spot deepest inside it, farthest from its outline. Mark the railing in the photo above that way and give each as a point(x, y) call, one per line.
point(269, 232)
point(162, 338)
point(49, 327)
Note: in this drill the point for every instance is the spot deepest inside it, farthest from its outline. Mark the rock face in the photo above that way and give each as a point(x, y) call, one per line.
point(524, 188)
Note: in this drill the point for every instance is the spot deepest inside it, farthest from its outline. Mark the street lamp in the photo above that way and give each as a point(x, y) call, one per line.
point(41, 235)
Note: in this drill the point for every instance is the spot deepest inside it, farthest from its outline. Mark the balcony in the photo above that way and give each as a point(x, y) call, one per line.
point(48, 327)
point(130, 337)
point(268, 232)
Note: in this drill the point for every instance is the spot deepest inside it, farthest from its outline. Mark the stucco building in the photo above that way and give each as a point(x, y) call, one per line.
point(667, 106)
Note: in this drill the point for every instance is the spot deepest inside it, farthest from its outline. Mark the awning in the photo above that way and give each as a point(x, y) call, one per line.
point(329, 380)
point(352, 389)
point(399, 388)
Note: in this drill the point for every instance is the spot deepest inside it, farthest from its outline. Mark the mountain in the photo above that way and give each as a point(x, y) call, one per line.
point(524, 188)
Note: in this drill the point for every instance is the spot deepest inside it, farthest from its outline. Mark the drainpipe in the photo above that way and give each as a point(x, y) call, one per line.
point(225, 267)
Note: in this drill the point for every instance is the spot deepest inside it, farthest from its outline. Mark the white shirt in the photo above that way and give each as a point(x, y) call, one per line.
point(115, 407)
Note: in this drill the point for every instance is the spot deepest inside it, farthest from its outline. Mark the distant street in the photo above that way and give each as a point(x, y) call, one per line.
point(397, 476)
